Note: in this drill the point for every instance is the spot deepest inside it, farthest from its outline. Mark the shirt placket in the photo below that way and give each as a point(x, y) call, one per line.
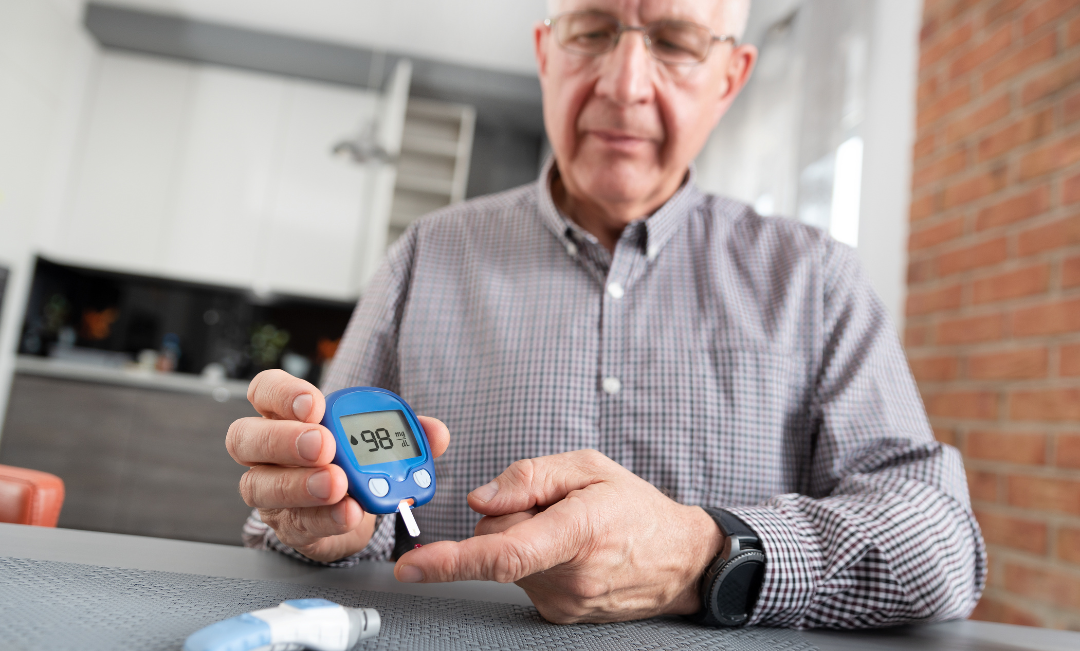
point(615, 384)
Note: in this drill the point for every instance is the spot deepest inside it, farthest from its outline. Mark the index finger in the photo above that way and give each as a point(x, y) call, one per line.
point(276, 394)
point(550, 538)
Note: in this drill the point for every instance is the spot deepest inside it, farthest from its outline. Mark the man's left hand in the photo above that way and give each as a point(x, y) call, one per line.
point(588, 540)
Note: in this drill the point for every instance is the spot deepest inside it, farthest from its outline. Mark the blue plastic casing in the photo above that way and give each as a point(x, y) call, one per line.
point(399, 474)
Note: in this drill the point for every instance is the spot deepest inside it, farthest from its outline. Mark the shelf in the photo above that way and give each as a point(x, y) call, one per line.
point(425, 185)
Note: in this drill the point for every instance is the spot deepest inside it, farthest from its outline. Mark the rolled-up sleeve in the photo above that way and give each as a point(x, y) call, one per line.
point(884, 533)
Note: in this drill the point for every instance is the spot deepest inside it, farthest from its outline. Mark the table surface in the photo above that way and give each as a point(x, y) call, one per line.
point(136, 552)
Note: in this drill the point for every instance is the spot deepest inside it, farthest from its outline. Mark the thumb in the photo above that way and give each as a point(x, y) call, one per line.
point(540, 482)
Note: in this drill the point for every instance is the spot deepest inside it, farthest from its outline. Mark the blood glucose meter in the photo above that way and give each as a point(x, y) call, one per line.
point(383, 450)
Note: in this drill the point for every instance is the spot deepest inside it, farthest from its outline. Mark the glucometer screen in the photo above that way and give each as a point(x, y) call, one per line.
point(380, 436)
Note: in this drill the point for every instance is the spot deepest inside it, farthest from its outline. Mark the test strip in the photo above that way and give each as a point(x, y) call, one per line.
point(406, 514)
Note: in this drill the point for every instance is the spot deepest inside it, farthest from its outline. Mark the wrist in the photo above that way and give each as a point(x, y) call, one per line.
point(705, 542)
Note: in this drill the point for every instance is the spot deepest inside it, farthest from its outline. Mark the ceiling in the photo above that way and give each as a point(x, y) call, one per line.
point(493, 34)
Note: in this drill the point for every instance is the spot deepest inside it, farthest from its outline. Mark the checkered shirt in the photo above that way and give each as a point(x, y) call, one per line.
point(729, 359)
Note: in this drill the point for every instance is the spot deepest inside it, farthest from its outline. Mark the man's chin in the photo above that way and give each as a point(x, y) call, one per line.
point(618, 181)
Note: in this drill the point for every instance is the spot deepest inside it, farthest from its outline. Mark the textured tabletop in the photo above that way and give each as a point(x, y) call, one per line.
point(53, 605)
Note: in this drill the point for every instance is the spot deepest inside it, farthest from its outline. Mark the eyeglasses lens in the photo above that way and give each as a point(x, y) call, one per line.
point(670, 41)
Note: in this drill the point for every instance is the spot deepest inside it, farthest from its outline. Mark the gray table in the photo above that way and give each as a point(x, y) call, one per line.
point(139, 553)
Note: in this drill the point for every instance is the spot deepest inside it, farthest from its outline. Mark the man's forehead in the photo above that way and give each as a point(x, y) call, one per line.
point(706, 12)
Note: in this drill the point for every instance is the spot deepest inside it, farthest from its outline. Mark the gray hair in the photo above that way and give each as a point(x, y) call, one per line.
point(736, 13)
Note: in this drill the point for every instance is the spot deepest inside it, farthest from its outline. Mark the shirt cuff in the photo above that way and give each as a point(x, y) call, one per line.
point(792, 560)
point(258, 535)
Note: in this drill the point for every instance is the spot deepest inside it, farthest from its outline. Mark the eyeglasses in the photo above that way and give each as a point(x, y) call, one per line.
point(674, 42)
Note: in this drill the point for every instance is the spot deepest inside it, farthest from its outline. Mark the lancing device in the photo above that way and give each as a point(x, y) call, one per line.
point(383, 450)
point(296, 624)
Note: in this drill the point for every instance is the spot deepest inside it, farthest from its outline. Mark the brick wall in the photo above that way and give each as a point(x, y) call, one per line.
point(993, 311)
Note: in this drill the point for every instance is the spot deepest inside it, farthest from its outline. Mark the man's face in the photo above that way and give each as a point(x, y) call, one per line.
point(624, 126)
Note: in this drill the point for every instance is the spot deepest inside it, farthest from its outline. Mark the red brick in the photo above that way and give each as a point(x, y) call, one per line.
point(980, 405)
point(934, 369)
point(1044, 494)
point(923, 208)
point(972, 257)
point(1055, 80)
point(1025, 535)
point(1068, 451)
point(946, 435)
point(1072, 32)
point(1070, 360)
point(1071, 110)
point(915, 336)
point(1055, 235)
point(1047, 319)
point(1045, 12)
point(920, 271)
point(935, 300)
point(943, 232)
point(940, 169)
point(1022, 448)
point(1024, 364)
point(978, 119)
point(971, 330)
point(968, 190)
point(1068, 544)
point(924, 146)
point(944, 105)
point(1070, 189)
point(1050, 158)
point(1031, 203)
point(994, 610)
point(1012, 284)
point(947, 43)
point(1024, 130)
point(982, 485)
point(1045, 405)
point(992, 45)
point(1018, 62)
point(1002, 8)
point(1045, 585)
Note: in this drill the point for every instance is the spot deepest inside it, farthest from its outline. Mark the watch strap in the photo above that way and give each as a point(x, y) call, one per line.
point(731, 584)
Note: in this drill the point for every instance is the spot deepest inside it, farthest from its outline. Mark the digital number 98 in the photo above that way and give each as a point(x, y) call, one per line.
point(379, 439)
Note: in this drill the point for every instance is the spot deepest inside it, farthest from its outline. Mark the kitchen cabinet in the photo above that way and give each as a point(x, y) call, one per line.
point(225, 176)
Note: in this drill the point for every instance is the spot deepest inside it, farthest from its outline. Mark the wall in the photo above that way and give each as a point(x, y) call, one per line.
point(993, 311)
point(46, 59)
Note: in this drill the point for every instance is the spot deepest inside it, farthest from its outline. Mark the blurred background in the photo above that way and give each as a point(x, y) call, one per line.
point(192, 191)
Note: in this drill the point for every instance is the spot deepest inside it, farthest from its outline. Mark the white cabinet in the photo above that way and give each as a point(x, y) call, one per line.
point(225, 176)
point(124, 179)
point(317, 200)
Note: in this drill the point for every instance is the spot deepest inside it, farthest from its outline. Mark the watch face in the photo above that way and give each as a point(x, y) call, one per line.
point(735, 588)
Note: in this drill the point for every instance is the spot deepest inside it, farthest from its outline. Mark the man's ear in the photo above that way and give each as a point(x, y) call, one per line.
point(540, 42)
point(740, 65)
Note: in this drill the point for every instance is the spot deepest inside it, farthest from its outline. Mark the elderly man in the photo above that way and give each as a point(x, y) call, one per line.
point(662, 403)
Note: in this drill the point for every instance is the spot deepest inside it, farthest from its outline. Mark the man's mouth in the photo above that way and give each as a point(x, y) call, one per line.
point(619, 139)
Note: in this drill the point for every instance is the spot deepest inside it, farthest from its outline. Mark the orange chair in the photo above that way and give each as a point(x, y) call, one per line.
point(30, 496)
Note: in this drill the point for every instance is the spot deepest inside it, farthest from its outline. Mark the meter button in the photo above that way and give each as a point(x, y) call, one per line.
point(422, 478)
point(378, 486)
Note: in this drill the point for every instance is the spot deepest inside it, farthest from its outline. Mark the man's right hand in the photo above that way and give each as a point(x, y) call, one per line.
point(300, 494)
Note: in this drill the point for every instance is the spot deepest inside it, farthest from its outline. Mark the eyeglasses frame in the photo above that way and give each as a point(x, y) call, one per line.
point(644, 29)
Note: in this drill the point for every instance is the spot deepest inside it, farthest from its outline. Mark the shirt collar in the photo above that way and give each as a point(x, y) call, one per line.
point(659, 226)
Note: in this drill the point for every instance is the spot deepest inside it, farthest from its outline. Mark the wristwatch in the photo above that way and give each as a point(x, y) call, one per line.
point(732, 582)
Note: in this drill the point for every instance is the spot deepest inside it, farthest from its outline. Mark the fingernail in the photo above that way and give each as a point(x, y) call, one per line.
point(319, 484)
point(301, 406)
point(410, 574)
point(339, 512)
point(487, 491)
point(309, 444)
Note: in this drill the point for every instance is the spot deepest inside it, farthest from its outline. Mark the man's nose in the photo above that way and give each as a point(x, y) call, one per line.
point(626, 74)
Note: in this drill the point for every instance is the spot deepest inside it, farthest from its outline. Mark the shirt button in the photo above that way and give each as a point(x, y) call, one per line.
point(616, 290)
point(651, 253)
point(611, 385)
point(571, 249)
